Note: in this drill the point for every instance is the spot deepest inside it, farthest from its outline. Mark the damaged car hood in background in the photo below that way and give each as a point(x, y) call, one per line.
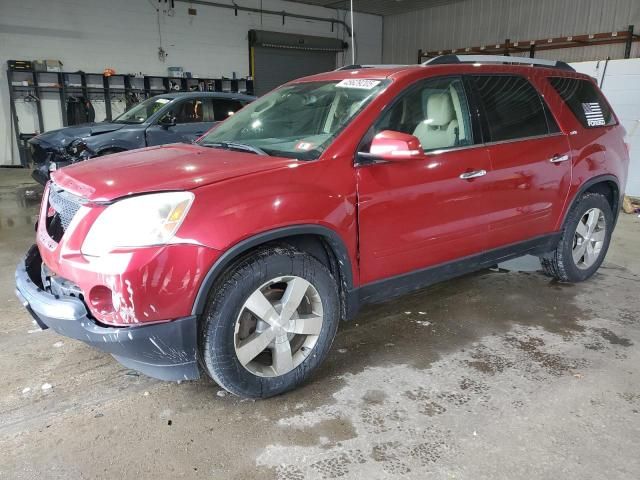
point(64, 136)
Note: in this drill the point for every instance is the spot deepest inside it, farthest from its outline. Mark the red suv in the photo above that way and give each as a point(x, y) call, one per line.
point(238, 255)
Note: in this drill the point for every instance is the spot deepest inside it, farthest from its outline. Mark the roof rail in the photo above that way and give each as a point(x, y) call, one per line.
point(356, 66)
point(538, 62)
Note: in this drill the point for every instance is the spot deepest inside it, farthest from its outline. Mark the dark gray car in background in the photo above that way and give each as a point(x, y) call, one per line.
point(167, 118)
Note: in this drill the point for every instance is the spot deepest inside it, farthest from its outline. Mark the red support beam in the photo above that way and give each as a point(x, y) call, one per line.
point(555, 43)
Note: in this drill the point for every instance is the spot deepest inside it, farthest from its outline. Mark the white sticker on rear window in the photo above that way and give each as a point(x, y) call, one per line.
point(361, 83)
point(593, 114)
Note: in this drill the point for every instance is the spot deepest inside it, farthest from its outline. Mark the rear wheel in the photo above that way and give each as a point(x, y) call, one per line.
point(269, 323)
point(584, 242)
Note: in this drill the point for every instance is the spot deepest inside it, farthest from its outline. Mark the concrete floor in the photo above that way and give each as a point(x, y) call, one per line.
point(498, 375)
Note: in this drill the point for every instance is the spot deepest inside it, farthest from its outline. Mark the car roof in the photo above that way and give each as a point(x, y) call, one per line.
point(231, 95)
point(397, 72)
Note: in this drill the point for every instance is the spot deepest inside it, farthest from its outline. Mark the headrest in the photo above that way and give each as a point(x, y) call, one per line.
point(439, 109)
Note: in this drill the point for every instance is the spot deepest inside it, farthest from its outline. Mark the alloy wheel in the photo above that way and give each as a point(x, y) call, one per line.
point(589, 238)
point(278, 326)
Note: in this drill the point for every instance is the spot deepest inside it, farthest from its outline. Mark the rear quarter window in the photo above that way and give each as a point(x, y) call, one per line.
point(585, 101)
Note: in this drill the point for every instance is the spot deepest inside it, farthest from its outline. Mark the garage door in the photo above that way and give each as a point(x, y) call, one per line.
point(277, 57)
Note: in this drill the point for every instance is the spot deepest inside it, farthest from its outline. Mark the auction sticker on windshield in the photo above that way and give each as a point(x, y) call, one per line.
point(305, 146)
point(360, 83)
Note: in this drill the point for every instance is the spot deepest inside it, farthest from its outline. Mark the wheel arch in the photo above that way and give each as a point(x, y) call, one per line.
point(607, 185)
point(321, 242)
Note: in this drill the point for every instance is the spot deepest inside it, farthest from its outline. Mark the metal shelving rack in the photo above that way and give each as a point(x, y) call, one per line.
point(36, 84)
point(626, 37)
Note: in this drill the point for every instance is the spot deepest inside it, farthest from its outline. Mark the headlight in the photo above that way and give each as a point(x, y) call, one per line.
point(150, 219)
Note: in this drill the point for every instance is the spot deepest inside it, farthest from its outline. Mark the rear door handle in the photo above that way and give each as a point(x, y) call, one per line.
point(559, 158)
point(474, 174)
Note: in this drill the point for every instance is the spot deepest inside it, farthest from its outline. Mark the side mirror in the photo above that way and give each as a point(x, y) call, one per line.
point(394, 146)
point(169, 120)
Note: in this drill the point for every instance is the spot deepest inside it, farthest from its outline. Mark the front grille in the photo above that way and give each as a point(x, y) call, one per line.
point(63, 206)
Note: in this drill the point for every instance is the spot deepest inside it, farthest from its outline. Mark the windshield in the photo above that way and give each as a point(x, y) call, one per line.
point(141, 112)
point(296, 121)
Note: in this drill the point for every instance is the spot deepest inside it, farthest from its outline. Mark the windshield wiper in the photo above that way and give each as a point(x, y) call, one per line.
point(236, 146)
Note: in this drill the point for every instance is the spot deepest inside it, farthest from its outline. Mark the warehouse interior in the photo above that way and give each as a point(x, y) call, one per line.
point(500, 373)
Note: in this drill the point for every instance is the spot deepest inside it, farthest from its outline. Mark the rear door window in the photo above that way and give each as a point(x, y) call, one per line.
point(224, 108)
point(512, 107)
point(584, 100)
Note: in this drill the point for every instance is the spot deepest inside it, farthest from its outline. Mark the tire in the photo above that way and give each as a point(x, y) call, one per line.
point(561, 264)
point(230, 324)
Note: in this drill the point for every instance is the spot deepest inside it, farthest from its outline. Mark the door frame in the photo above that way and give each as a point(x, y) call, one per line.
point(473, 111)
point(482, 110)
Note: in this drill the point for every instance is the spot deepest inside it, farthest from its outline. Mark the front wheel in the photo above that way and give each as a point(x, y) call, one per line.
point(269, 323)
point(584, 242)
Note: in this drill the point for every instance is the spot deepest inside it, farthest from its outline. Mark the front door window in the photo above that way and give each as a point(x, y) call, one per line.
point(436, 112)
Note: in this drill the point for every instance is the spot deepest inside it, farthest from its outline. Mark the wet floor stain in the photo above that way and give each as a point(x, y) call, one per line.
point(19, 205)
point(612, 338)
point(419, 328)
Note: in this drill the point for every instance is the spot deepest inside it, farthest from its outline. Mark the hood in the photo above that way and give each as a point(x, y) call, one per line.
point(170, 167)
point(64, 136)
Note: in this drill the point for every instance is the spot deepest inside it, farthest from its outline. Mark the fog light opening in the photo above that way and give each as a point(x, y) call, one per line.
point(100, 299)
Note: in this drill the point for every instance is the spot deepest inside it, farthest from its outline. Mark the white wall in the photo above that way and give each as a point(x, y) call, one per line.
point(621, 85)
point(91, 35)
point(472, 23)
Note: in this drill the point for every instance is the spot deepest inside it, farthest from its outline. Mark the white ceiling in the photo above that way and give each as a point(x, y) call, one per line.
point(379, 7)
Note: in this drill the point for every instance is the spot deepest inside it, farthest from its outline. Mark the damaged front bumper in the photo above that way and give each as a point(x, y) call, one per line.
point(47, 159)
point(166, 351)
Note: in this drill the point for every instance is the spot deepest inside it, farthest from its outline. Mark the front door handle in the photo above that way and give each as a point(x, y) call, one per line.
point(474, 174)
point(559, 158)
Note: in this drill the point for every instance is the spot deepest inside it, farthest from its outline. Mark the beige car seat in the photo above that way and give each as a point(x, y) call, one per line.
point(440, 128)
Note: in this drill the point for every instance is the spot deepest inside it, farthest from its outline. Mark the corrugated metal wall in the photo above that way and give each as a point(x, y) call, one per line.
point(469, 23)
